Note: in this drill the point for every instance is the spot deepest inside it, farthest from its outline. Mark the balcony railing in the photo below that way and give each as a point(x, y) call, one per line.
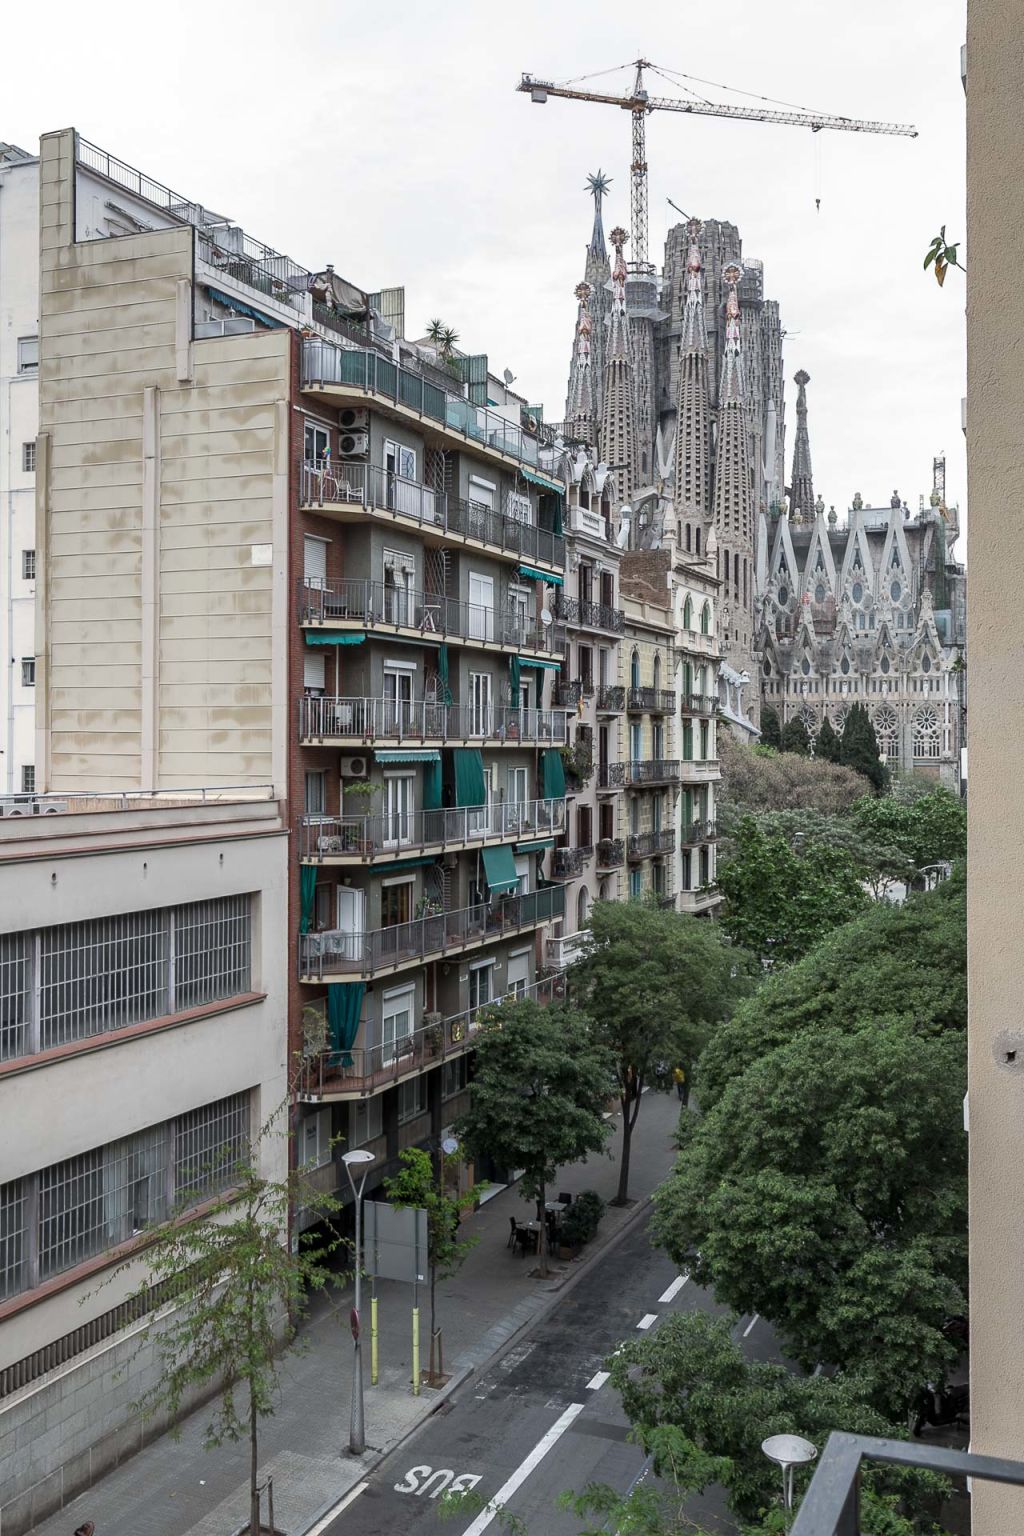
point(572, 861)
point(652, 701)
point(611, 852)
point(657, 770)
point(365, 485)
point(368, 1069)
point(568, 694)
point(578, 610)
point(611, 701)
point(699, 703)
point(367, 837)
point(611, 775)
point(699, 832)
point(364, 953)
point(327, 718)
point(646, 845)
point(378, 604)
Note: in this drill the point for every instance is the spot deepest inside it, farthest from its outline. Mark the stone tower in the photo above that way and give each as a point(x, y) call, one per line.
point(693, 403)
point(733, 508)
point(618, 408)
point(579, 408)
point(801, 495)
point(597, 276)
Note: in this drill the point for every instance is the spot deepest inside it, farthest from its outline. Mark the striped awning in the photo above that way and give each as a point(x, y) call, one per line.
point(549, 666)
point(534, 575)
point(408, 755)
point(545, 484)
point(537, 847)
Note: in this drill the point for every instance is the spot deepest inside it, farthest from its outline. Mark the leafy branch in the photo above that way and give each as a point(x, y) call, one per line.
point(942, 256)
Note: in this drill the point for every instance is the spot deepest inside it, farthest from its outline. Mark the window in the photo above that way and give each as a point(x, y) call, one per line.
point(398, 815)
point(705, 619)
point(481, 984)
point(927, 733)
point(481, 723)
point(454, 1077)
point(28, 457)
point(636, 883)
point(398, 682)
point(28, 671)
point(367, 1121)
point(582, 908)
point(28, 354)
point(634, 670)
point(584, 826)
point(28, 565)
point(314, 562)
point(314, 672)
point(412, 1099)
point(315, 1139)
point(397, 1024)
point(73, 1210)
point(585, 657)
point(517, 786)
point(396, 903)
point(316, 794)
point(399, 586)
point(212, 951)
point(317, 443)
point(518, 978)
point(704, 737)
point(28, 778)
point(688, 612)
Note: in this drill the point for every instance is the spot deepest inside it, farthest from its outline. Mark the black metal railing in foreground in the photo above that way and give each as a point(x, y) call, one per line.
point(831, 1505)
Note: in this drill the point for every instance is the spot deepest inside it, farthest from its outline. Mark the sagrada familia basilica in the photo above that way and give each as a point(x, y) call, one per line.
point(677, 385)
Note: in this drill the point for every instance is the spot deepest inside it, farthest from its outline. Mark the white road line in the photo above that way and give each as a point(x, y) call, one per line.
point(336, 1510)
point(647, 1319)
point(752, 1324)
point(674, 1288)
point(597, 1382)
point(523, 1470)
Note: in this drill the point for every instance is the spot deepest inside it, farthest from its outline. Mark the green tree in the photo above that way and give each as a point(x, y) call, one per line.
point(926, 829)
point(654, 983)
point(859, 748)
point(541, 1083)
point(876, 860)
point(795, 737)
point(239, 1292)
point(771, 730)
point(762, 780)
point(780, 901)
point(826, 744)
point(417, 1186)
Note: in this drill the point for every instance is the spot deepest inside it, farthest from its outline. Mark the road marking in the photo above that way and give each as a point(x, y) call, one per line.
point(752, 1324)
point(419, 1479)
point(335, 1511)
point(597, 1382)
point(674, 1288)
point(647, 1319)
point(523, 1470)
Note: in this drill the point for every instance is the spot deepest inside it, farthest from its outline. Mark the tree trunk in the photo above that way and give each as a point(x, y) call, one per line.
point(628, 1121)
point(254, 1470)
point(542, 1246)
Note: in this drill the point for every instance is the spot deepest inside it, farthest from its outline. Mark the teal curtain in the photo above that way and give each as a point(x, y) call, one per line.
point(470, 788)
point(307, 893)
point(344, 1005)
point(515, 673)
point(558, 517)
point(432, 784)
point(552, 775)
point(442, 672)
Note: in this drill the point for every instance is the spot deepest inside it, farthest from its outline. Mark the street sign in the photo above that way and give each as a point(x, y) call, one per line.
point(395, 1242)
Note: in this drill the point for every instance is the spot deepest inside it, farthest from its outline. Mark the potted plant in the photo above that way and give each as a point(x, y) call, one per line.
point(358, 796)
point(578, 761)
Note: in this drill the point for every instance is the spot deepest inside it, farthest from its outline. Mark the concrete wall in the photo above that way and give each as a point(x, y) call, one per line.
point(995, 409)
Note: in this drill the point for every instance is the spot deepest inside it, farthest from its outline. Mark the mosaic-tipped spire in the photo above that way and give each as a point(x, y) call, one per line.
point(618, 413)
point(580, 415)
point(596, 275)
point(693, 405)
point(733, 499)
point(801, 500)
point(597, 185)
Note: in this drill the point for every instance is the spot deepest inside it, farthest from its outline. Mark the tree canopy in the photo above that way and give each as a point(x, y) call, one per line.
point(925, 829)
point(758, 779)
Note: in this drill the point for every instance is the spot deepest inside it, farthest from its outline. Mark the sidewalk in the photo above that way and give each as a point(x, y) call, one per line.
point(176, 1488)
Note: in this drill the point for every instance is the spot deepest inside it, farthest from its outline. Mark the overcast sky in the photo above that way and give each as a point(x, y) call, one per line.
point(389, 140)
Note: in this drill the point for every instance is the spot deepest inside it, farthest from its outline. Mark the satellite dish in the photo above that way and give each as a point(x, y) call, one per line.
point(545, 617)
point(509, 376)
point(450, 1145)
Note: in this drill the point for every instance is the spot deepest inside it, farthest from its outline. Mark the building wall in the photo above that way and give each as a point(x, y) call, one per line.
point(995, 407)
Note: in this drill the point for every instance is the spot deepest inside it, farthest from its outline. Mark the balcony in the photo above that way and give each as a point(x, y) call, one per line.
point(579, 611)
point(647, 845)
point(702, 900)
point(377, 606)
point(365, 1070)
point(349, 372)
point(377, 951)
point(699, 704)
point(650, 701)
point(701, 770)
point(611, 853)
point(561, 953)
point(571, 861)
point(657, 770)
point(360, 839)
point(351, 490)
point(611, 701)
point(329, 720)
point(699, 832)
point(567, 695)
point(697, 644)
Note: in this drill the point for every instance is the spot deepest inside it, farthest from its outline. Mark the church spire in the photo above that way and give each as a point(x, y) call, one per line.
point(733, 498)
point(801, 496)
point(598, 184)
point(580, 412)
point(618, 414)
point(596, 275)
point(693, 407)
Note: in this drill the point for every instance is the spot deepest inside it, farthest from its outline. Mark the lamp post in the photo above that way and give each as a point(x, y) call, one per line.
point(788, 1451)
point(357, 1432)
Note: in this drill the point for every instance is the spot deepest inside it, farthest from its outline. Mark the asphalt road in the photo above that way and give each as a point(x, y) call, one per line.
point(541, 1419)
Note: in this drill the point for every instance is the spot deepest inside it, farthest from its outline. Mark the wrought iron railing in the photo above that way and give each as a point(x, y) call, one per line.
point(324, 717)
point(572, 861)
point(578, 610)
point(653, 701)
point(611, 701)
point(324, 837)
point(568, 694)
point(646, 845)
point(657, 770)
point(611, 851)
point(699, 703)
point(611, 775)
point(698, 832)
point(337, 952)
point(379, 604)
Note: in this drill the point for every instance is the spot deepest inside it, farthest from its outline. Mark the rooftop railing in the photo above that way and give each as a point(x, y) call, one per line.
point(386, 605)
point(345, 481)
point(366, 837)
point(336, 952)
point(329, 718)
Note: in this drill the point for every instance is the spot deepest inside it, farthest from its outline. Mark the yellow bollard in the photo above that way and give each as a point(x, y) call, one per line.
point(415, 1351)
point(374, 1362)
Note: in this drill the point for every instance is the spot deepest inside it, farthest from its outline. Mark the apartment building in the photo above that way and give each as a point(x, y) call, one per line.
point(19, 404)
point(142, 988)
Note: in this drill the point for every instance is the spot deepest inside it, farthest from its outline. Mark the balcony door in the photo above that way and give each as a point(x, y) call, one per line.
point(398, 814)
point(515, 804)
point(481, 606)
point(350, 915)
point(397, 701)
point(481, 713)
point(396, 1036)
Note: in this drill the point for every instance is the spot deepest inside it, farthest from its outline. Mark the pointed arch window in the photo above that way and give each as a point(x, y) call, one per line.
point(705, 619)
point(844, 666)
point(927, 734)
point(634, 669)
point(926, 662)
point(885, 664)
point(688, 613)
point(657, 672)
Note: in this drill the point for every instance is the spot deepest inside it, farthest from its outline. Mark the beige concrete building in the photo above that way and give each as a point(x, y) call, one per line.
point(995, 409)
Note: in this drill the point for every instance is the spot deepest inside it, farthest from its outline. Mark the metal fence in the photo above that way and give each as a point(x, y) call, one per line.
point(337, 952)
point(657, 770)
point(653, 701)
point(611, 700)
point(321, 837)
point(646, 845)
point(698, 832)
point(327, 718)
point(392, 605)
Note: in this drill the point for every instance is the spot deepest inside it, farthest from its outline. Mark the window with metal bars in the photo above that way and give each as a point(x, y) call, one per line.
point(66, 983)
point(67, 1213)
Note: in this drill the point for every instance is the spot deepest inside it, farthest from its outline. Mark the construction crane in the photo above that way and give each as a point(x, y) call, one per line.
point(639, 103)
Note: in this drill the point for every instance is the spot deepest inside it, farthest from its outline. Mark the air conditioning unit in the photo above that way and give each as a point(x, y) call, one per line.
point(353, 445)
point(354, 419)
point(50, 807)
point(23, 806)
point(355, 767)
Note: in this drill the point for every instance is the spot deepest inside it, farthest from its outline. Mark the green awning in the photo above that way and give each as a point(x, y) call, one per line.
point(552, 775)
point(548, 576)
point(500, 869)
point(537, 847)
point(546, 485)
point(470, 787)
point(550, 666)
point(515, 679)
point(387, 869)
point(335, 637)
point(410, 755)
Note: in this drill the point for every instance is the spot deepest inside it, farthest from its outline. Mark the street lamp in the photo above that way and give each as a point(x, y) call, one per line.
point(357, 1432)
point(788, 1451)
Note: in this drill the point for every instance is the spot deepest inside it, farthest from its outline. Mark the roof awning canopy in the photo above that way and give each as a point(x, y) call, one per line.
point(500, 869)
point(410, 755)
point(387, 869)
point(240, 308)
point(335, 637)
point(548, 666)
point(545, 484)
point(534, 575)
point(536, 847)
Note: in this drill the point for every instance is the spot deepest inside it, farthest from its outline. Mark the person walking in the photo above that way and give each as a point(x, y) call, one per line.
point(679, 1078)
